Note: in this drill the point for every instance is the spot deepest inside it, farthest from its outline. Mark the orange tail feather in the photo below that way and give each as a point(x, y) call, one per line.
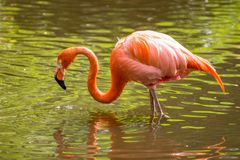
point(203, 65)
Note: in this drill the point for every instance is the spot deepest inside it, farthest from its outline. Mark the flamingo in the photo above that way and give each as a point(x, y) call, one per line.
point(147, 57)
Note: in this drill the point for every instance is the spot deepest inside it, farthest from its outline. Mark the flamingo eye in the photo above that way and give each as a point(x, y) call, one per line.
point(59, 64)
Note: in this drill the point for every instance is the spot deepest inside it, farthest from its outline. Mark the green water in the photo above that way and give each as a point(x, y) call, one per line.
point(38, 120)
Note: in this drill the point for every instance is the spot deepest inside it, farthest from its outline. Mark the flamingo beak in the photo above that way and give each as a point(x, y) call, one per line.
point(59, 76)
point(61, 83)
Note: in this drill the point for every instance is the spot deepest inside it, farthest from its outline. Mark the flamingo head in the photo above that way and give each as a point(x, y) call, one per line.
point(64, 59)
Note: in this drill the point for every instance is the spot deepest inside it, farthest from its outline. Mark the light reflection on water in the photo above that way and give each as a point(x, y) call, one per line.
point(40, 121)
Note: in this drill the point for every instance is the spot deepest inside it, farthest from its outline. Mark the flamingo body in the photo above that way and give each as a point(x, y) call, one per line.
point(146, 57)
point(152, 57)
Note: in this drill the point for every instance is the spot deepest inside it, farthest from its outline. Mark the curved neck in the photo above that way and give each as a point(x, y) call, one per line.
point(117, 84)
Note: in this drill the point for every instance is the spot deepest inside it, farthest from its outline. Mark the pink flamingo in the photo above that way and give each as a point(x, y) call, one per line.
point(147, 57)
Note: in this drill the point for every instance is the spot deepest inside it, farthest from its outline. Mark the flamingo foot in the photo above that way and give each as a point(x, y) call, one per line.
point(157, 120)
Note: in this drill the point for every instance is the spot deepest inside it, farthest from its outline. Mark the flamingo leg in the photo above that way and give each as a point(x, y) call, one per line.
point(152, 103)
point(155, 104)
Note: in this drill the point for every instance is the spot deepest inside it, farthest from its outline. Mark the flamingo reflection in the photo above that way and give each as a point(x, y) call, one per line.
point(121, 146)
point(99, 123)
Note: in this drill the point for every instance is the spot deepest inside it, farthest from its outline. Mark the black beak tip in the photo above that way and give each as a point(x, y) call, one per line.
point(61, 83)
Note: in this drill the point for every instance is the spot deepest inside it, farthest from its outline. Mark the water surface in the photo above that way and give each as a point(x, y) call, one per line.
point(38, 120)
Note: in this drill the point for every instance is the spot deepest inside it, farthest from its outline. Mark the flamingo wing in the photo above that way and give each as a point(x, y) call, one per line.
point(153, 55)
